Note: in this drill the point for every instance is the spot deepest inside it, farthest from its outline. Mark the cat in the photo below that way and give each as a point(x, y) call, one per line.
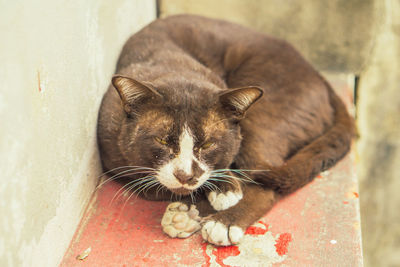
point(221, 118)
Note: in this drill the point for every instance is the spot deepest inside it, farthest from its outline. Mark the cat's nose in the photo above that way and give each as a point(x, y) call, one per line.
point(183, 177)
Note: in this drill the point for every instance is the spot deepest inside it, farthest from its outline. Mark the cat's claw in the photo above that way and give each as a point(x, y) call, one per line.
point(219, 234)
point(223, 201)
point(180, 221)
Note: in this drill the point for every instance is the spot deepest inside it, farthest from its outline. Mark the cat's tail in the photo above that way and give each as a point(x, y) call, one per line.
point(319, 155)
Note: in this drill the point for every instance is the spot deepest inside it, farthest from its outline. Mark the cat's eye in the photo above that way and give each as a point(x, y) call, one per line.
point(161, 141)
point(207, 145)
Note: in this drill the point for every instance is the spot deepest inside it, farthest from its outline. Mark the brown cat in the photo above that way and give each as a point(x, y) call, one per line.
point(188, 119)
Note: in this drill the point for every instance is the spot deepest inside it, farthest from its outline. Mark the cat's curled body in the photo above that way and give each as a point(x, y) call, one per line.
point(194, 97)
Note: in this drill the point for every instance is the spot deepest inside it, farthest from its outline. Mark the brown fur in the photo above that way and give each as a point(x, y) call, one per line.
point(185, 66)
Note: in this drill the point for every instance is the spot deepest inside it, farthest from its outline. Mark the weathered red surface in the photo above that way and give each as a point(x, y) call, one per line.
point(318, 225)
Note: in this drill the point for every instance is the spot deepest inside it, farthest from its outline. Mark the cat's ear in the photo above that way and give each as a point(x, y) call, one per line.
point(237, 101)
point(133, 93)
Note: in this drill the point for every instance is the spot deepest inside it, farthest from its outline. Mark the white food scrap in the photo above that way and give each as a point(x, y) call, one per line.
point(84, 254)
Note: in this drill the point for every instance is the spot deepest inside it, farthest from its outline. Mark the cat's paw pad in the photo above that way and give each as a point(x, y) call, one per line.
point(219, 234)
point(223, 201)
point(180, 221)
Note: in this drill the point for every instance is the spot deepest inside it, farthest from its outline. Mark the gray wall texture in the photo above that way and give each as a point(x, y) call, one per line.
point(334, 35)
point(57, 58)
point(379, 145)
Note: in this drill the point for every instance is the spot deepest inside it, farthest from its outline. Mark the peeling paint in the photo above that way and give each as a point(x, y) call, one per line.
point(282, 243)
point(257, 248)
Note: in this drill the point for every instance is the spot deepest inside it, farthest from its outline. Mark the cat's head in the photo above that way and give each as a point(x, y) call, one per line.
point(183, 134)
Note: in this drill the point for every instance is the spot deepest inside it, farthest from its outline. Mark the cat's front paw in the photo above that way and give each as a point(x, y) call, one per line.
point(219, 234)
point(180, 221)
point(224, 200)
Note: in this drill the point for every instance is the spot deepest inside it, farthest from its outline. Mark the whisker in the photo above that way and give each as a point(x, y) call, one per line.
point(149, 185)
point(159, 187)
point(121, 167)
point(235, 170)
point(238, 171)
point(126, 201)
point(211, 186)
point(131, 185)
point(140, 188)
point(215, 187)
point(191, 196)
point(164, 189)
point(197, 193)
point(117, 195)
point(221, 180)
point(241, 179)
point(145, 183)
point(228, 176)
point(136, 190)
point(120, 175)
point(115, 176)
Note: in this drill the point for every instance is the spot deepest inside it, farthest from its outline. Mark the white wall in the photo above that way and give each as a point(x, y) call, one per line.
point(56, 59)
